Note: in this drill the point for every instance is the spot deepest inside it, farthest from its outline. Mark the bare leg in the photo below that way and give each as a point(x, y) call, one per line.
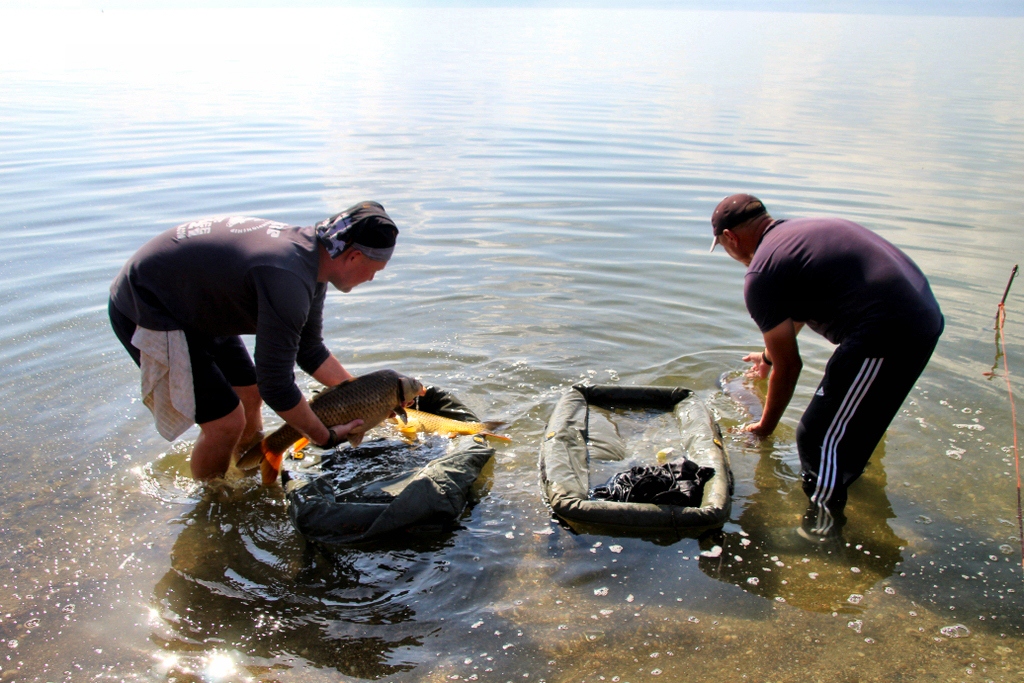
point(253, 404)
point(217, 440)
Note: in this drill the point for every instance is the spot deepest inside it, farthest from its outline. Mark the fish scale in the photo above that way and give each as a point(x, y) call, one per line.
point(371, 398)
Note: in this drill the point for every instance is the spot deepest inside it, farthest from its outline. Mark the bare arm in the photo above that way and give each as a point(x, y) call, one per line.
point(780, 343)
point(331, 373)
point(305, 420)
point(302, 417)
point(762, 360)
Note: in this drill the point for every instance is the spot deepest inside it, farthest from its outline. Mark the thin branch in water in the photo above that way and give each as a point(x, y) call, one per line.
point(1000, 318)
point(1000, 323)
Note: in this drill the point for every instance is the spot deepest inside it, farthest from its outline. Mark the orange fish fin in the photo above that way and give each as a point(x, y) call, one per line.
point(300, 444)
point(271, 466)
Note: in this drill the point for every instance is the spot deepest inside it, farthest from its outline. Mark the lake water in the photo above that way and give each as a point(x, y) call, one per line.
point(552, 173)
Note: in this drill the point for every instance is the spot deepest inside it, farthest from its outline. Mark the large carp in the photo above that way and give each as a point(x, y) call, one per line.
point(370, 398)
point(418, 421)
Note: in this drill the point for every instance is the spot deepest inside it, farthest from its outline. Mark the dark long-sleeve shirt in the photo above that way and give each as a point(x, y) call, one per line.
point(233, 276)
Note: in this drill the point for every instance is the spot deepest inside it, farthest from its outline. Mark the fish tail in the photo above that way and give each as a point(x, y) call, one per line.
point(496, 436)
point(491, 425)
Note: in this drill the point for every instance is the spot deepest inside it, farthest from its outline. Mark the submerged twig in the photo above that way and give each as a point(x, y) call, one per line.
point(1000, 323)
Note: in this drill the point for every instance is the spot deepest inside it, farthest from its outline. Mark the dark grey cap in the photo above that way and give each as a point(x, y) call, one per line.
point(732, 211)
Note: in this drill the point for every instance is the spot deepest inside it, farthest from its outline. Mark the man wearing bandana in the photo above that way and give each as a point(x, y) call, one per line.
point(180, 303)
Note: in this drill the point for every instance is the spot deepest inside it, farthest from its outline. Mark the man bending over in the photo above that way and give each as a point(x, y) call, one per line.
point(856, 290)
point(180, 303)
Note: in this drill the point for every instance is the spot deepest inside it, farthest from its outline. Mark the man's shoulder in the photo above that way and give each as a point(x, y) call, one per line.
point(775, 237)
point(828, 227)
point(245, 224)
point(805, 237)
point(811, 225)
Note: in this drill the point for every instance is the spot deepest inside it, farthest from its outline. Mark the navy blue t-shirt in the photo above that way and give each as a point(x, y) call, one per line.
point(844, 281)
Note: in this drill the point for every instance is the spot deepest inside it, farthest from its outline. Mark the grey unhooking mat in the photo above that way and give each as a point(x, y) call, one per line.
point(564, 460)
point(427, 495)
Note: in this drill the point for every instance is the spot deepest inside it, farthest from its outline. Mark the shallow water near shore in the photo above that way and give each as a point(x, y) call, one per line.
point(552, 173)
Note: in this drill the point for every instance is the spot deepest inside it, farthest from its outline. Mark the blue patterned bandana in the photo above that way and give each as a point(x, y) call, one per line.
point(365, 227)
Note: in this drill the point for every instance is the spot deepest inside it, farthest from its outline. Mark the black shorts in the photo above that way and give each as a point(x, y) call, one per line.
point(861, 392)
point(218, 364)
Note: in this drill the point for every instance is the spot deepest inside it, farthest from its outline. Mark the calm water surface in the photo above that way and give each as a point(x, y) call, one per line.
point(552, 173)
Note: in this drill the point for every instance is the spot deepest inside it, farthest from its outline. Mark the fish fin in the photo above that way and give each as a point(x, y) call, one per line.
point(400, 412)
point(271, 465)
point(497, 436)
point(491, 425)
point(251, 459)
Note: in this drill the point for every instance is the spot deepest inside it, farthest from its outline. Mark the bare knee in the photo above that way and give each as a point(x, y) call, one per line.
point(253, 405)
point(217, 440)
point(249, 396)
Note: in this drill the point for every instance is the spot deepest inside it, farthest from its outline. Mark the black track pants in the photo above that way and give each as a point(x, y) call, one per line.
point(861, 392)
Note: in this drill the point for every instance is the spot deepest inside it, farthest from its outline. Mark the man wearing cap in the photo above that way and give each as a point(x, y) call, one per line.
point(859, 292)
point(180, 303)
